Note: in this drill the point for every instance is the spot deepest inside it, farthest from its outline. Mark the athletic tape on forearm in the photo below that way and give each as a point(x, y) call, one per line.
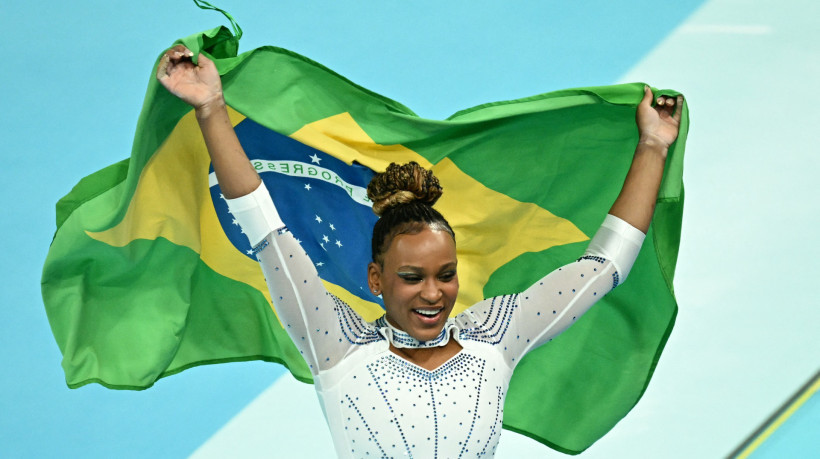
point(256, 214)
point(618, 242)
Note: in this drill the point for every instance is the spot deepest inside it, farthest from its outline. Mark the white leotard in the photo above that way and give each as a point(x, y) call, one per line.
point(378, 404)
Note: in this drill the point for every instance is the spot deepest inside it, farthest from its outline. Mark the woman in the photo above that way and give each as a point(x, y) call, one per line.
point(417, 382)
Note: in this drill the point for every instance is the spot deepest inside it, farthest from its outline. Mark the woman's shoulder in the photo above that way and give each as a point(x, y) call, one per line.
point(489, 320)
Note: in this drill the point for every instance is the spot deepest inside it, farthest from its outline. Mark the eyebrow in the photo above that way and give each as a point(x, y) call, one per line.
point(409, 268)
point(416, 269)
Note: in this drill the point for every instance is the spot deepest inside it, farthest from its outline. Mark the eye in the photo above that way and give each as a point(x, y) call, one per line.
point(410, 278)
point(447, 276)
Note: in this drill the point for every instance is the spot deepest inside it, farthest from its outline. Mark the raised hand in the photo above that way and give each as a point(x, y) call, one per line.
point(197, 85)
point(200, 86)
point(658, 125)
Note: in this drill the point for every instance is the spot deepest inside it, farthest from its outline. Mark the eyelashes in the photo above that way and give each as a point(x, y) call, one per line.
point(446, 276)
point(411, 278)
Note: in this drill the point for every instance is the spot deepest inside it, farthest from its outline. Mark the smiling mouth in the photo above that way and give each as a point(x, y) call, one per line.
point(428, 313)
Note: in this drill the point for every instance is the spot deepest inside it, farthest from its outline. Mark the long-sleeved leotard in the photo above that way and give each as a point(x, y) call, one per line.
point(378, 404)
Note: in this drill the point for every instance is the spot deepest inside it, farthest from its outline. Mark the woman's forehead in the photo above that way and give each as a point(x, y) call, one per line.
point(427, 247)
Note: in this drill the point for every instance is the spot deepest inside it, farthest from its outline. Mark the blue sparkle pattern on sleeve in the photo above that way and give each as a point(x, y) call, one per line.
point(354, 329)
point(496, 320)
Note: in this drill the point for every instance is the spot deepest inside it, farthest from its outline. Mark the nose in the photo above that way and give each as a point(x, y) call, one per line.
point(430, 292)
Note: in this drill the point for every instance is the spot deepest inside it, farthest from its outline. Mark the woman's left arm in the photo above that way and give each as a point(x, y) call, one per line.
point(547, 308)
point(567, 293)
point(658, 129)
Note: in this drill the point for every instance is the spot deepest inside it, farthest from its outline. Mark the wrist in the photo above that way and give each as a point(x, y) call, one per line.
point(653, 143)
point(207, 108)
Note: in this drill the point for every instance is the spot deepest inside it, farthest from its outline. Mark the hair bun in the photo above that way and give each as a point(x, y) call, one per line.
point(403, 184)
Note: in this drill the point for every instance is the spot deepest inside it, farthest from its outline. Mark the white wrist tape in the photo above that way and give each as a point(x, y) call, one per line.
point(618, 242)
point(256, 214)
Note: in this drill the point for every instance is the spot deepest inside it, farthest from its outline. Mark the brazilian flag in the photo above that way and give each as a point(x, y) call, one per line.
point(148, 275)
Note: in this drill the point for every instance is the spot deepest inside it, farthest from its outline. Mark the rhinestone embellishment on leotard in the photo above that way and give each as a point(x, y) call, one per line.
point(401, 338)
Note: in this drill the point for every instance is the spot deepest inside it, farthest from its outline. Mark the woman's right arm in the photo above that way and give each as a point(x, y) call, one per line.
point(322, 327)
point(200, 86)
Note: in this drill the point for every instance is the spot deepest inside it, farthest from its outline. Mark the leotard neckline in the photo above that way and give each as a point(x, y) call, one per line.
point(402, 339)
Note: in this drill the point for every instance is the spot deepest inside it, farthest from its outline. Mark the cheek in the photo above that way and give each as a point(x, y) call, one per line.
point(399, 293)
point(451, 289)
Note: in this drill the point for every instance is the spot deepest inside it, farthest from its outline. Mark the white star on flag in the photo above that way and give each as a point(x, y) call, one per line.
point(307, 186)
point(319, 219)
point(315, 158)
point(338, 243)
point(332, 227)
point(325, 238)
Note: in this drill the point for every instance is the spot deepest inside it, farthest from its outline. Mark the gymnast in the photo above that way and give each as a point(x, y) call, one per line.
point(417, 382)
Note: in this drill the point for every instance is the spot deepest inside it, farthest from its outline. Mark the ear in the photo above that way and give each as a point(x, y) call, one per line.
point(374, 278)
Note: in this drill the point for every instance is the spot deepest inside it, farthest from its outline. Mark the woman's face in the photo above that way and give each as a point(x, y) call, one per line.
point(418, 282)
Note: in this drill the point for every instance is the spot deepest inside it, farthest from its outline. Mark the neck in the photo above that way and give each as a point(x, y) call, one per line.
point(432, 342)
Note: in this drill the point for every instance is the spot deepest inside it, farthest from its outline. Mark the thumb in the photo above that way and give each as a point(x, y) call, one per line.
point(162, 68)
point(203, 61)
point(647, 96)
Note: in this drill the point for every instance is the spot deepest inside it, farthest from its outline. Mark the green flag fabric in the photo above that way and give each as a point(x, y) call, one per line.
point(144, 279)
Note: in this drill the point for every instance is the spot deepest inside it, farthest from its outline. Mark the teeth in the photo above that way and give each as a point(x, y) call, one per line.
point(428, 312)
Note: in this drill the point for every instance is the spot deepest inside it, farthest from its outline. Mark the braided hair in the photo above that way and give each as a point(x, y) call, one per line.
point(403, 196)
